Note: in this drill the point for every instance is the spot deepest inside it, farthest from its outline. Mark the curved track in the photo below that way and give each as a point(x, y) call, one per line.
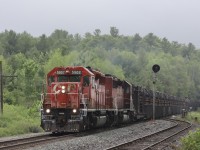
point(159, 140)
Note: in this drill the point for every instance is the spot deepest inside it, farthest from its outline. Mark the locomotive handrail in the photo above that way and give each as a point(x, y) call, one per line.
point(84, 104)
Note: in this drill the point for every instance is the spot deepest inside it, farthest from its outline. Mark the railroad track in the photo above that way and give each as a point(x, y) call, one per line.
point(32, 141)
point(47, 138)
point(159, 140)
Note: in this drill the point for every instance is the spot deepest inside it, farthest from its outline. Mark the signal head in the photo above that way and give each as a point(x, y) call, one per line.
point(155, 68)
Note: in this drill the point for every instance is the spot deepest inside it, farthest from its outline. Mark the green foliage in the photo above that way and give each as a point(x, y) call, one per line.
point(193, 117)
point(10, 43)
point(127, 57)
point(192, 141)
point(114, 31)
point(43, 44)
point(22, 89)
point(107, 67)
point(57, 59)
point(19, 120)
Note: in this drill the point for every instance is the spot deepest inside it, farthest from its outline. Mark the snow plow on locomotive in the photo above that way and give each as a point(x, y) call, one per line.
point(79, 98)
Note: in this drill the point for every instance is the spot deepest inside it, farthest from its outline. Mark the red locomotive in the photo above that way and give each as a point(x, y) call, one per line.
point(80, 98)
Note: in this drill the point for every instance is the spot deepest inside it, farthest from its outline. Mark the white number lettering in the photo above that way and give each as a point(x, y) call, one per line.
point(76, 72)
point(60, 72)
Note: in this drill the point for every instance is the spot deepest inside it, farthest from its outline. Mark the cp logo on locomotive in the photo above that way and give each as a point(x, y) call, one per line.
point(57, 91)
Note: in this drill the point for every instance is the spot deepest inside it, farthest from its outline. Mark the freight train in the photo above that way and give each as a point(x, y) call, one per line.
point(80, 98)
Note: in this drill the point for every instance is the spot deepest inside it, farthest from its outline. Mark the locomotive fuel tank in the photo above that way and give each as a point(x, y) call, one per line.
point(99, 121)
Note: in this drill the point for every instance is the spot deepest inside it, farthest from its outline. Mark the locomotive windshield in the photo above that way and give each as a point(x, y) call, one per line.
point(64, 78)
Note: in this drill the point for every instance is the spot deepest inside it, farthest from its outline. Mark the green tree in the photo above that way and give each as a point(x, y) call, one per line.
point(97, 32)
point(151, 40)
point(57, 59)
point(165, 44)
point(135, 42)
point(59, 34)
point(114, 32)
point(25, 42)
point(187, 51)
point(43, 44)
point(10, 43)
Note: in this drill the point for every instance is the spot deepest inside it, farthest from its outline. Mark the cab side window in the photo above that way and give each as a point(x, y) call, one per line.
point(50, 80)
point(86, 81)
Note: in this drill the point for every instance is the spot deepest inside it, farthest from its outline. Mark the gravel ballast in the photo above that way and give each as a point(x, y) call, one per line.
point(108, 139)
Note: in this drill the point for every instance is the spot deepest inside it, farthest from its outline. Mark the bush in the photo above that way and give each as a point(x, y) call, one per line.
point(18, 120)
point(193, 116)
point(192, 141)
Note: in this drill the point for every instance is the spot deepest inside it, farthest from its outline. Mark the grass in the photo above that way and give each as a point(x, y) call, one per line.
point(192, 140)
point(193, 117)
point(19, 120)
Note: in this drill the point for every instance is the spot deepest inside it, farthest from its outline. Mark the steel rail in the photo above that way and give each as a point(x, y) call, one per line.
point(127, 144)
point(24, 142)
point(170, 136)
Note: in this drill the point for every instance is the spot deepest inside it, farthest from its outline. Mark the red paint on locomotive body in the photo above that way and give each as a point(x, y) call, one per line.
point(108, 90)
point(83, 96)
point(64, 85)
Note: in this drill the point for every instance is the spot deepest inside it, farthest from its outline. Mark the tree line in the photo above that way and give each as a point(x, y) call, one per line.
point(127, 57)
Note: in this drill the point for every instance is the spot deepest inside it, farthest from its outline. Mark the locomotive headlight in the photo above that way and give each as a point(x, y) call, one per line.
point(74, 110)
point(48, 110)
point(63, 89)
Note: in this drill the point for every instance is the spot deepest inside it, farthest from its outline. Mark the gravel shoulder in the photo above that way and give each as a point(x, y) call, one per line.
point(107, 139)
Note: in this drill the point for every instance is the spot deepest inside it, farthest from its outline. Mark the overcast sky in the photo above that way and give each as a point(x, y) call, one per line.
point(177, 20)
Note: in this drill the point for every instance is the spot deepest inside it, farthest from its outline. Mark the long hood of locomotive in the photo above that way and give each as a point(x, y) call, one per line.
point(64, 95)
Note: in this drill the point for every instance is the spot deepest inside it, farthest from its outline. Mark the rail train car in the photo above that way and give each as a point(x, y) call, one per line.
point(165, 105)
point(80, 98)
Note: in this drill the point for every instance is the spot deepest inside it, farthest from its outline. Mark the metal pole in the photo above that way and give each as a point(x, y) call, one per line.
point(153, 101)
point(155, 69)
point(1, 89)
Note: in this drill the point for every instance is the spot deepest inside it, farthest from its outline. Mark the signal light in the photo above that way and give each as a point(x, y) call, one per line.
point(155, 68)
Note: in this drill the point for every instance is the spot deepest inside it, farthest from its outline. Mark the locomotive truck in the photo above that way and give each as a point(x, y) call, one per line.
point(79, 98)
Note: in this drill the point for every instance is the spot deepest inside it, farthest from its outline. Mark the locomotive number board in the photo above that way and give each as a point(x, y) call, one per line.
point(76, 72)
point(60, 72)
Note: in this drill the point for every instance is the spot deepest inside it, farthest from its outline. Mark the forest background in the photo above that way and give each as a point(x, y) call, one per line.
point(128, 57)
